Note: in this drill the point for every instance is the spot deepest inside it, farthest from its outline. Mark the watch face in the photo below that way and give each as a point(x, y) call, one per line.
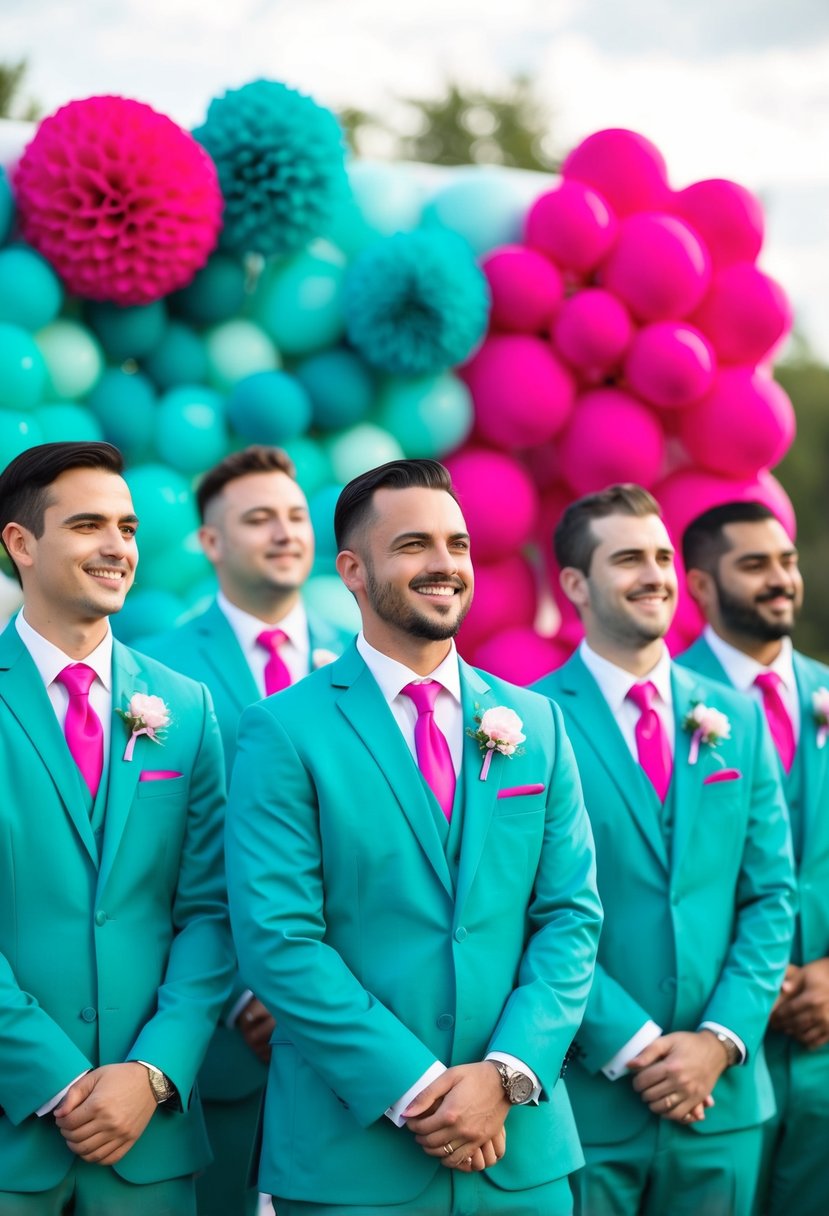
point(520, 1088)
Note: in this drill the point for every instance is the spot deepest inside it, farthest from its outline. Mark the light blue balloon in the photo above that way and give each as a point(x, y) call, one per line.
point(30, 292)
point(146, 611)
point(6, 205)
point(216, 292)
point(177, 567)
point(17, 433)
point(328, 595)
point(340, 386)
point(190, 433)
point(428, 415)
point(164, 505)
point(23, 372)
point(384, 199)
point(63, 421)
point(486, 206)
point(236, 349)
point(125, 403)
point(74, 359)
point(179, 358)
point(299, 301)
point(269, 407)
point(321, 509)
point(313, 468)
point(127, 333)
point(360, 448)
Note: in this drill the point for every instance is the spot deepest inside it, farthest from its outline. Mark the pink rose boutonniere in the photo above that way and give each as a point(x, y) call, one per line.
point(145, 715)
point(706, 725)
point(499, 730)
point(820, 706)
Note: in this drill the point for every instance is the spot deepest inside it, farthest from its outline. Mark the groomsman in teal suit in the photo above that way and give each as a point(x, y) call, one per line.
point(742, 570)
point(115, 951)
point(410, 870)
point(254, 639)
point(671, 1087)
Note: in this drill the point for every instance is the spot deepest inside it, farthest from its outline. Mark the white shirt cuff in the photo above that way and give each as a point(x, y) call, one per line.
point(519, 1065)
point(244, 999)
point(735, 1038)
point(48, 1107)
point(395, 1113)
point(618, 1066)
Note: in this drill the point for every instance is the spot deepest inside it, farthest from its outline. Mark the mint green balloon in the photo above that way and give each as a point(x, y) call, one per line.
point(164, 505)
point(236, 349)
point(328, 595)
point(23, 372)
point(190, 433)
point(30, 292)
point(17, 433)
point(299, 301)
point(146, 611)
point(428, 415)
point(360, 448)
point(63, 421)
point(313, 468)
point(176, 567)
point(74, 359)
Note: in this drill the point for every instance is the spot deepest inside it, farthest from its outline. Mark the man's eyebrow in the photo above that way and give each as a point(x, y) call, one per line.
point(668, 549)
point(426, 536)
point(762, 555)
point(96, 517)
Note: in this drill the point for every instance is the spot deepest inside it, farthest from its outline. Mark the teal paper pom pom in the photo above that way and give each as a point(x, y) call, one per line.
point(416, 303)
point(280, 159)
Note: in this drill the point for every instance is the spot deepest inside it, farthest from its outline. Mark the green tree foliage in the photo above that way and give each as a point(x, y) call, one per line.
point(12, 76)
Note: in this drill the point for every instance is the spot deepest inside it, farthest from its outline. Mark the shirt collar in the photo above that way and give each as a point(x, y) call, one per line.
point(50, 660)
point(393, 676)
point(248, 627)
point(742, 670)
point(615, 683)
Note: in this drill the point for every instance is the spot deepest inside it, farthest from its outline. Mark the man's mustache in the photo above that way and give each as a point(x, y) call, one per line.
point(774, 594)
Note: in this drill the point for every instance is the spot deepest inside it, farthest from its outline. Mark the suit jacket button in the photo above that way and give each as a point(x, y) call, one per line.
point(100, 918)
point(461, 934)
point(445, 1021)
point(89, 1014)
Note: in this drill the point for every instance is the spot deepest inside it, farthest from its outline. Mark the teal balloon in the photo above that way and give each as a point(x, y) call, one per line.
point(269, 407)
point(62, 421)
point(384, 199)
point(216, 292)
point(146, 611)
point(340, 386)
point(200, 595)
point(321, 509)
point(363, 447)
point(30, 292)
point(190, 432)
point(177, 567)
point(299, 301)
point(127, 333)
point(180, 357)
point(486, 206)
point(313, 468)
point(236, 349)
point(328, 595)
point(17, 433)
point(74, 359)
point(6, 205)
point(23, 372)
point(164, 505)
point(125, 403)
point(428, 415)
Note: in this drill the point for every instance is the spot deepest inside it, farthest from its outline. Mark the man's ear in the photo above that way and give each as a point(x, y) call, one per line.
point(350, 569)
point(573, 583)
point(18, 540)
point(210, 542)
point(701, 588)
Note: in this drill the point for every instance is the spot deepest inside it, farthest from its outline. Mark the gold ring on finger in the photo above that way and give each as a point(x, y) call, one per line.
point(670, 1101)
point(448, 1149)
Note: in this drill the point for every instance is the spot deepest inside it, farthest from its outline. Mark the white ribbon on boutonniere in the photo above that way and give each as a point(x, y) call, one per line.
point(321, 658)
point(820, 707)
point(708, 726)
point(145, 715)
point(499, 730)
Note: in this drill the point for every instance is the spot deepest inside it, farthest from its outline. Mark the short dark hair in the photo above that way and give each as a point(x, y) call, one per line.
point(25, 481)
point(704, 541)
point(574, 541)
point(258, 458)
point(354, 504)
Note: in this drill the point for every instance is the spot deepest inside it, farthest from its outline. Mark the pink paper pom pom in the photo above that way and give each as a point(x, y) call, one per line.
point(123, 203)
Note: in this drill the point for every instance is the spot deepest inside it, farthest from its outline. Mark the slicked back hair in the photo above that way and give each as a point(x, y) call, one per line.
point(258, 458)
point(25, 481)
point(574, 541)
point(354, 506)
point(704, 540)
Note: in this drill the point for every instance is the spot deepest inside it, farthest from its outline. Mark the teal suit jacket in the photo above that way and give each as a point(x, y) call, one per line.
point(349, 926)
point(700, 931)
point(115, 945)
point(206, 649)
point(807, 793)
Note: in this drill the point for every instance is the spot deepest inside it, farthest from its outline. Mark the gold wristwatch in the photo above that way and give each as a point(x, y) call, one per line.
point(161, 1085)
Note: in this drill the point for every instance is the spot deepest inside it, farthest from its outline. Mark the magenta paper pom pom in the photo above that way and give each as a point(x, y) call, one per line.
point(124, 204)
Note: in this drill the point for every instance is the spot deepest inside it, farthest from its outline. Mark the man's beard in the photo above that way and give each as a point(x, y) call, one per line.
point(392, 608)
point(739, 617)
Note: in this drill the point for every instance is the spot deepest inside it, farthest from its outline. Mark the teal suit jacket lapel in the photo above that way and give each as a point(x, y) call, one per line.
point(701, 658)
point(814, 758)
point(223, 655)
point(25, 695)
point(478, 796)
point(127, 678)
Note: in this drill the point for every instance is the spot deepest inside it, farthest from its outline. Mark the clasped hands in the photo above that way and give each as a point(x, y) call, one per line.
point(802, 1008)
point(464, 1110)
point(105, 1112)
point(676, 1074)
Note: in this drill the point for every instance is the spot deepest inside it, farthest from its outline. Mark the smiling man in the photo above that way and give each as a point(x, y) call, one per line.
point(671, 1087)
point(115, 953)
point(418, 912)
point(742, 570)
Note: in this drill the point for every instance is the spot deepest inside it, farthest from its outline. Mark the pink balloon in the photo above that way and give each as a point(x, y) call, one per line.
point(658, 267)
point(769, 491)
point(573, 225)
point(685, 495)
point(505, 595)
point(592, 331)
point(611, 437)
point(526, 289)
point(498, 499)
point(744, 314)
point(728, 217)
point(520, 655)
point(671, 364)
point(523, 395)
point(744, 424)
point(627, 169)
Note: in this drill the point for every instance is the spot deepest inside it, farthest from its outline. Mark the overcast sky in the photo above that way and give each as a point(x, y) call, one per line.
point(726, 88)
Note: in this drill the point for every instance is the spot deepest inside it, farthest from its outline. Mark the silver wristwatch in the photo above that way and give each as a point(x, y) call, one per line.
point(517, 1085)
point(731, 1048)
point(161, 1085)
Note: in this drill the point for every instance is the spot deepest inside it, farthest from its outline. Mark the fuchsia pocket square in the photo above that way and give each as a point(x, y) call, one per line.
point(158, 774)
point(516, 791)
point(723, 774)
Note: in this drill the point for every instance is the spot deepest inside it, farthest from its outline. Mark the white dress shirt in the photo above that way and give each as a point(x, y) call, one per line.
point(392, 677)
point(295, 652)
point(742, 671)
point(614, 684)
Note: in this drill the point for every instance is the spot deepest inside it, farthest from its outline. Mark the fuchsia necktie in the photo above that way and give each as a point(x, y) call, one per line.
point(433, 756)
point(82, 726)
point(277, 675)
point(777, 716)
point(652, 740)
